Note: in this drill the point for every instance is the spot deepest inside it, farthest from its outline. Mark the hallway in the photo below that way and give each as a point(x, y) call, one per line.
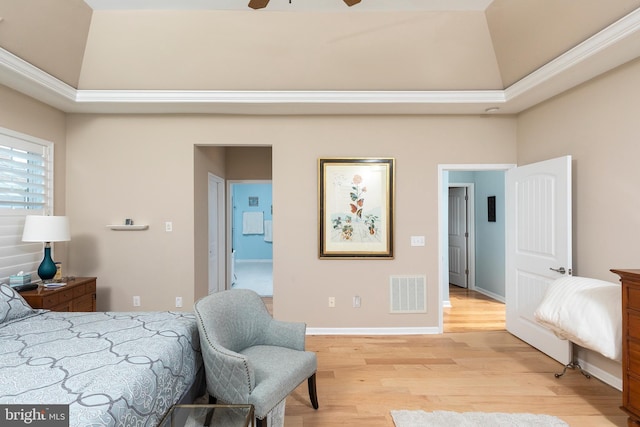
point(472, 311)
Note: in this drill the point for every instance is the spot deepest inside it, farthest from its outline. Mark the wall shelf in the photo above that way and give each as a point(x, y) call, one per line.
point(128, 227)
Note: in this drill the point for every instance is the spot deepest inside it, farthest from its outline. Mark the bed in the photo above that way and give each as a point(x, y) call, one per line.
point(111, 368)
point(585, 311)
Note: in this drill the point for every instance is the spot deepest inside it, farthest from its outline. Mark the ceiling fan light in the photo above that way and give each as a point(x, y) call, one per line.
point(258, 4)
point(351, 2)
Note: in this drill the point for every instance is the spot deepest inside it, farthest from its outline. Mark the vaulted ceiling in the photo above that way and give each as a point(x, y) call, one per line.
point(378, 56)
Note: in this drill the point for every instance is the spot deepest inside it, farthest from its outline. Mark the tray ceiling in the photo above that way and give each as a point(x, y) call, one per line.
point(379, 56)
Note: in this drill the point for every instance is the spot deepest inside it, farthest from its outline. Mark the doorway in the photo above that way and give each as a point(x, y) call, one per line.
point(486, 245)
point(251, 236)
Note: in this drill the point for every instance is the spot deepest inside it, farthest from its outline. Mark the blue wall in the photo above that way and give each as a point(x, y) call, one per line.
point(251, 246)
point(489, 236)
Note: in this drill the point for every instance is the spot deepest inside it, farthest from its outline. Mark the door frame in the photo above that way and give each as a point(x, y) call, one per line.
point(471, 239)
point(443, 226)
point(220, 209)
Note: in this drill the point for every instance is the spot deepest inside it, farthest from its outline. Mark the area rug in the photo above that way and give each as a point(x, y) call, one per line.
point(473, 419)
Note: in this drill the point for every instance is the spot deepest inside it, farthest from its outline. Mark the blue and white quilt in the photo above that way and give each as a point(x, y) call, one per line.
point(112, 368)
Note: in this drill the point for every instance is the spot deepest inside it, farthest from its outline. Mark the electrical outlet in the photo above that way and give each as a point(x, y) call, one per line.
point(356, 301)
point(136, 301)
point(332, 302)
point(168, 226)
point(178, 302)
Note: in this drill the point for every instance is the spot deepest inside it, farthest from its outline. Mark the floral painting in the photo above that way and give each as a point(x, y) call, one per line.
point(356, 201)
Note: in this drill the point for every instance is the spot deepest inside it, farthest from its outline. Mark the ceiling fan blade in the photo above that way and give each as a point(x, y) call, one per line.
point(258, 4)
point(351, 2)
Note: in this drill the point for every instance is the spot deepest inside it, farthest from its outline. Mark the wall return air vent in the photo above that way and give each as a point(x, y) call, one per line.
point(408, 294)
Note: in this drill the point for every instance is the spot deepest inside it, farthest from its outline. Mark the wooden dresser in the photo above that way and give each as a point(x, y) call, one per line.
point(78, 294)
point(630, 344)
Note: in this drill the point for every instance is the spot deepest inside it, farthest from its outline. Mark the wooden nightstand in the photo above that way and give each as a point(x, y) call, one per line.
point(630, 280)
point(79, 294)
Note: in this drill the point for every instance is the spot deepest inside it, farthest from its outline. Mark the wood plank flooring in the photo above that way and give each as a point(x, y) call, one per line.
point(474, 366)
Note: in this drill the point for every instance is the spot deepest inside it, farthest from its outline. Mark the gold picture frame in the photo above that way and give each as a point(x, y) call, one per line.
point(356, 198)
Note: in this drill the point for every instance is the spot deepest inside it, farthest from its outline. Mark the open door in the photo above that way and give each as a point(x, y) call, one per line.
point(458, 237)
point(538, 251)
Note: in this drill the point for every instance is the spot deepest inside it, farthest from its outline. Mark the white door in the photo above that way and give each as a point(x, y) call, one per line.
point(458, 235)
point(538, 220)
point(216, 234)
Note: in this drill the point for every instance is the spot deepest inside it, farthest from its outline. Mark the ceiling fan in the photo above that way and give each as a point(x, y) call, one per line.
point(259, 4)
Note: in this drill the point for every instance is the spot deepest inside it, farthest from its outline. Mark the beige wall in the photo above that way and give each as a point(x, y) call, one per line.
point(146, 167)
point(249, 163)
point(143, 167)
point(302, 282)
point(598, 125)
point(23, 114)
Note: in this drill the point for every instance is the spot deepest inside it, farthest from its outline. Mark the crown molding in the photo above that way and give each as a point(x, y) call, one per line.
point(611, 47)
point(287, 102)
point(24, 77)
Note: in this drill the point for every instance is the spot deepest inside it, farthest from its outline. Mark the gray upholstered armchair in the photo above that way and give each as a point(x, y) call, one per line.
point(249, 357)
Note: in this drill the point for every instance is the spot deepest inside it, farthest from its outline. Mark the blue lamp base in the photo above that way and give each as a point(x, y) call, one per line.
point(47, 269)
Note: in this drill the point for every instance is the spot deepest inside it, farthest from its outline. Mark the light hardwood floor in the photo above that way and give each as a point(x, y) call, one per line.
point(474, 366)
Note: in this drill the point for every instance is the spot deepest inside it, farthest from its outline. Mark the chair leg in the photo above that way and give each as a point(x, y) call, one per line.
point(212, 401)
point(207, 421)
point(312, 391)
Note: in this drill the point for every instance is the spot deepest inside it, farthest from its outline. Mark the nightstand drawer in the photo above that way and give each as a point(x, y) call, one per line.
point(634, 358)
point(633, 396)
point(633, 325)
point(84, 303)
point(633, 300)
point(50, 300)
point(78, 294)
point(89, 288)
point(65, 306)
point(65, 296)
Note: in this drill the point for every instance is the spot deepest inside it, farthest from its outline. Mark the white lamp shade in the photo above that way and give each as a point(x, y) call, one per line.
point(41, 228)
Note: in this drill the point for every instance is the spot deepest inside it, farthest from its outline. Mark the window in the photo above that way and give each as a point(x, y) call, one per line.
point(26, 188)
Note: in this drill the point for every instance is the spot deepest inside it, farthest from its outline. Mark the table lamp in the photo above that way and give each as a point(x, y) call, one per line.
point(46, 229)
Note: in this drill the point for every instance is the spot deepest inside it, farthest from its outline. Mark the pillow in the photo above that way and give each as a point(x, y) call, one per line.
point(12, 305)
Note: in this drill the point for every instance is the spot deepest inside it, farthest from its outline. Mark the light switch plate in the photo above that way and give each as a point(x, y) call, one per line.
point(417, 241)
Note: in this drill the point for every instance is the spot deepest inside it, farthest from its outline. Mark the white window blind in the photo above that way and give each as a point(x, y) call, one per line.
point(26, 182)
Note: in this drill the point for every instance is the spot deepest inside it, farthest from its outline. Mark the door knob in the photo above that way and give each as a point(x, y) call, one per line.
point(560, 270)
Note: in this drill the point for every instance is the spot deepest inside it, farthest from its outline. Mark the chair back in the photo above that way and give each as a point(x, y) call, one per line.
point(235, 319)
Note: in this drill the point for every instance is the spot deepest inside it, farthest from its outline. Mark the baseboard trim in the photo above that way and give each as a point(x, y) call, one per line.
point(490, 294)
point(373, 331)
point(601, 374)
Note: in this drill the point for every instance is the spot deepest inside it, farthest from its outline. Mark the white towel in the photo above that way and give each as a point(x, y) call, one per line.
point(252, 223)
point(268, 231)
